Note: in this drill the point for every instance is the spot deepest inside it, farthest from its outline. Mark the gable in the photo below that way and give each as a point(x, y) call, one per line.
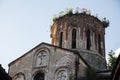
point(46, 44)
point(44, 57)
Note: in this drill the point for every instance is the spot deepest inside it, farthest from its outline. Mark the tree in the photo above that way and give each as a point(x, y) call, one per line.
point(111, 60)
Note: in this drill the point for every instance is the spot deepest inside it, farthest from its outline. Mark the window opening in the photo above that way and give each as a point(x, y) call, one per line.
point(39, 76)
point(99, 44)
point(88, 44)
point(61, 39)
point(74, 38)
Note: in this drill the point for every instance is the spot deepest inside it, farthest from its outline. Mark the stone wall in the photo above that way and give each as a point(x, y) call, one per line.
point(81, 23)
point(54, 62)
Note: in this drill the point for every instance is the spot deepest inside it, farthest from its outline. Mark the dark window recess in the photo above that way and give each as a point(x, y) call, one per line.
point(88, 41)
point(99, 44)
point(61, 38)
point(74, 38)
point(39, 76)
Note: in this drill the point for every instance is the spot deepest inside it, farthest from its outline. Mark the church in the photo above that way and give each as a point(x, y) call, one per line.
point(78, 44)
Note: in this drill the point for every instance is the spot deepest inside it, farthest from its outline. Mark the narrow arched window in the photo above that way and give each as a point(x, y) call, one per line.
point(88, 40)
point(74, 38)
point(61, 39)
point(39, 76)
point(99, 44)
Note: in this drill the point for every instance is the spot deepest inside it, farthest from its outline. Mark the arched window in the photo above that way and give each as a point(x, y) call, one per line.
point(74, 38)
point(88, 40)
point(61, 39)
point(99, 44)
point(39, 76)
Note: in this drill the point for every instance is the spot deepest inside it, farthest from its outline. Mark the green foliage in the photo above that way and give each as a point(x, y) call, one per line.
point(54, 18)
point(111, 60)
point(51, 35)
point(91, 73)
point(72, 77)
point(69, 11)
point(105, 22)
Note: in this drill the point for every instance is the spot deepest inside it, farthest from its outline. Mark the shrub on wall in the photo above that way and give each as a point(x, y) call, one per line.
point(91, 73)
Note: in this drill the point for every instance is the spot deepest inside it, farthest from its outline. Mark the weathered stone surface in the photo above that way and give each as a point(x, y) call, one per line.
point(81, 23)
point(56, 60)
point(77, 43)
point(94, 60)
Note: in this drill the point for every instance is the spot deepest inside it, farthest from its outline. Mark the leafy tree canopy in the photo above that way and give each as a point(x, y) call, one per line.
point(111, 60)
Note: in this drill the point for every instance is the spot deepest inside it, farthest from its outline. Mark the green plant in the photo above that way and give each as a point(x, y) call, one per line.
point(51, 35)
point(105, 22)
point(84, 10)
point(111, 60)
point(54, 19)
point(91, 73)
point(72, 77)
point(69, 11)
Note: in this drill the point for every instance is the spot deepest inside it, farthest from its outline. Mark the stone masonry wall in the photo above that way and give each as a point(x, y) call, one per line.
point(58, 60)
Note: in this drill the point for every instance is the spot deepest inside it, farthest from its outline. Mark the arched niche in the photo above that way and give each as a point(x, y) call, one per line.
point(41, 58)
point(62, 74)
point(19, 76)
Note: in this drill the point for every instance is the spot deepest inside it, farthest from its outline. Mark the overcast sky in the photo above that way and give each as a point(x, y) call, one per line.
point(26, 23)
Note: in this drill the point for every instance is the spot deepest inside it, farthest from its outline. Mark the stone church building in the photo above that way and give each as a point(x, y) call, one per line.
point(78, 43)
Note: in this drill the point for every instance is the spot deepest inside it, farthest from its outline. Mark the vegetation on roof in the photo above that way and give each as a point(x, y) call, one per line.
point(70, 11)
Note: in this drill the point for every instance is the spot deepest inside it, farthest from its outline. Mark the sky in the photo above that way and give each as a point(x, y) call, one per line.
point(26, 23)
